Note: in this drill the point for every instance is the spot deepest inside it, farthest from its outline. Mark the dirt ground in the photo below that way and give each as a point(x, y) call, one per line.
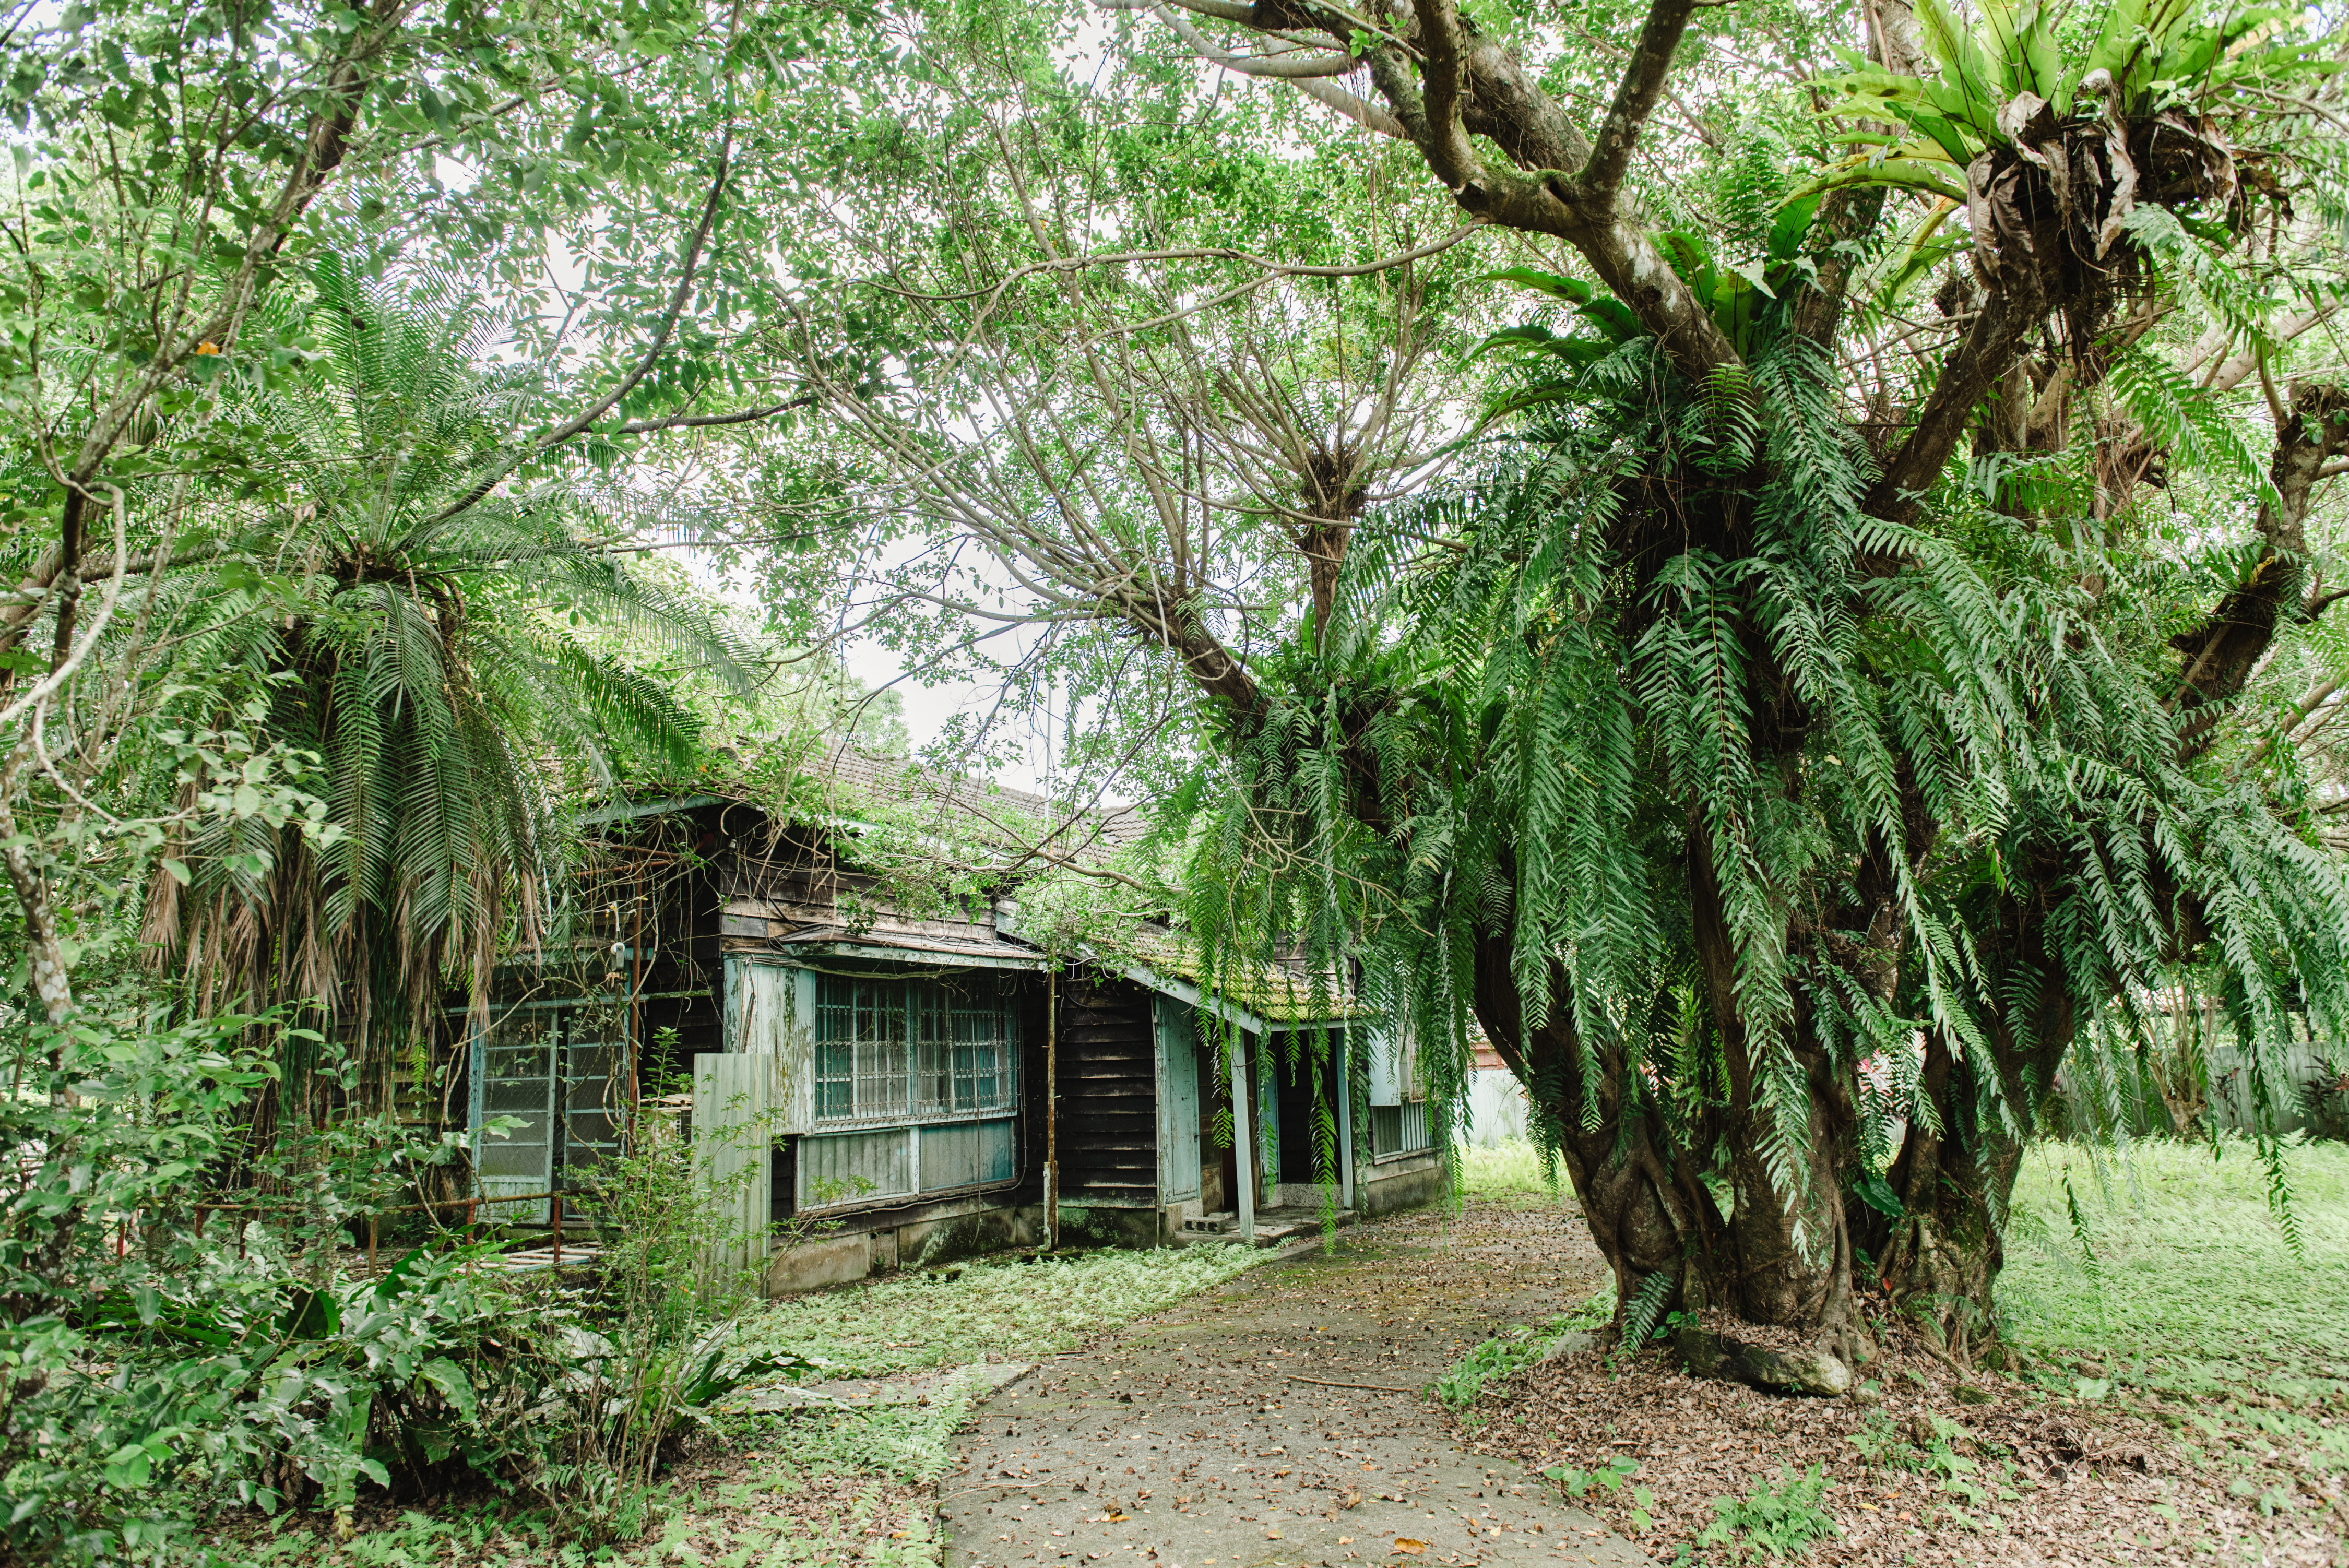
point(1222, 1435)
point(1923, 1474)
point(1212, 1437)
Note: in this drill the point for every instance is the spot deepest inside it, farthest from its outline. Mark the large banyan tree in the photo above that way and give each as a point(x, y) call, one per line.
point(1821, 711)
point(1837, 685)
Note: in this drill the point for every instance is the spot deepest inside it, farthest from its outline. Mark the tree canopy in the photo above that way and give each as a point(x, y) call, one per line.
point(1774, 566)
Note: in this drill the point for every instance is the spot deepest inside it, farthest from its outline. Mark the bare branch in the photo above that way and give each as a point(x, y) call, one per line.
point(1635, 100)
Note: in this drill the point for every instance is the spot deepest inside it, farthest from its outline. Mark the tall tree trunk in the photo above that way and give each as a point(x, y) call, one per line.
point(1644, 1195)
point(1939, 1261)
point(1648, 1209)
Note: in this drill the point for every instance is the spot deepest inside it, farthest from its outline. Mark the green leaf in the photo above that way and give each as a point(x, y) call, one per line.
point(313, 1315)
point(130, 1468)
point(1791, 225)
point(1948, 137)
point(1899, 173)
point(1877, 1192)
point(450, 1379)
point(1572, 289)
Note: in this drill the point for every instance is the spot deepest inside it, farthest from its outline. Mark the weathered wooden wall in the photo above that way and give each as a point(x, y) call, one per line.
point(1108, 1092)
point(775, 891)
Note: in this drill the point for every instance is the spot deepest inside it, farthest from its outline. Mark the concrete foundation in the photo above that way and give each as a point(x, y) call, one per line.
point(1405, 1183)
point(1098, 1225)
point(879, 1243)
point(810, 1265)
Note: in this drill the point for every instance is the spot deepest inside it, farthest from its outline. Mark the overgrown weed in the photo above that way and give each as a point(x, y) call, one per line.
point(1506, 1354)
point(1509, 1171)
point(820, 1485)
point(1778, 1519)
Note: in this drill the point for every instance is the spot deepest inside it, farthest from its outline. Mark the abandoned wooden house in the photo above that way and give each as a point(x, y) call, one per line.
point(879, 1078)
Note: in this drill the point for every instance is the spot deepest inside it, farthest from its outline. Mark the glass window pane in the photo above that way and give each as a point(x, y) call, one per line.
point(912, 1049)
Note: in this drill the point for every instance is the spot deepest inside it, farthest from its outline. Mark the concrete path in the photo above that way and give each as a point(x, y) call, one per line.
point(1216, 1436)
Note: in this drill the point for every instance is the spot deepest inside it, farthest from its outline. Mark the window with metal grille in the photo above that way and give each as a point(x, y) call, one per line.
point(913, 1050)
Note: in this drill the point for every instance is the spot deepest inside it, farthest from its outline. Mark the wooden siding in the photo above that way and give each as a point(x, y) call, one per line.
point(796, 885)
point(1108, 1094)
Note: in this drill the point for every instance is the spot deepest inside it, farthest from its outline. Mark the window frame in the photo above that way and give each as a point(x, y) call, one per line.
point(919, 1051)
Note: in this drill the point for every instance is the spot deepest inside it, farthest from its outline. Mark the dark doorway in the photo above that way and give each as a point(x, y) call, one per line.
point(1298, 1060)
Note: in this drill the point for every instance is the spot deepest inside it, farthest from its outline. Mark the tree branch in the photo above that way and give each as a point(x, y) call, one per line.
point(1635, 100)
point(1561, 184)
point(705, 421)
point(691, 260)
point(1975, 366)
point(2221, 653)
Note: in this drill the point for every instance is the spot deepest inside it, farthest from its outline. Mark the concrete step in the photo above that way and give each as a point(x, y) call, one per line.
point(1274, 1227)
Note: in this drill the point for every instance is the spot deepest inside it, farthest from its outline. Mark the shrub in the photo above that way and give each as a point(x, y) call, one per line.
point(154, 1368)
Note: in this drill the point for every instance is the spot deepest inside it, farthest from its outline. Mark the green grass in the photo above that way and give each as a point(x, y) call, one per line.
point(1509, 1169)
point(2176, 1291)
point(2184, 1264)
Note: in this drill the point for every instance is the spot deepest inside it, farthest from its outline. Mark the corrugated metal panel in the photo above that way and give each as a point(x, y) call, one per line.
point(851, 1167)
point(734, 1099)
point(969, 1155)
point(759, 998)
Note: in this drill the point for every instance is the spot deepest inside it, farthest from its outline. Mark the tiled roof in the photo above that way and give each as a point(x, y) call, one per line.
point(1273, 992)
point(845, 780)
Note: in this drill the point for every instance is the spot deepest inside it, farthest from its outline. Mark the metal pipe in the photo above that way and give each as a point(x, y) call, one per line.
point(1053, 1111)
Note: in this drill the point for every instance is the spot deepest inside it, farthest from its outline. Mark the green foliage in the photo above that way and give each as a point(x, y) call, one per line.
point(2196, 1287)
point(159, 1367)
point(1512, 1169)
point(1021, 1309)
point(1605, 1478)
point(2201, 1316)
point(180, 1350)
point(1676, 727)
point(1642, 1313)
point(658, 1342)
point(2151, 54)
point(440, 638)
point(1505, 1355)
point(1777, 1520)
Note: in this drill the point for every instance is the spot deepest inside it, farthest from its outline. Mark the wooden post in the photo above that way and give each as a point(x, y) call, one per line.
point(558, 1231)
point(1053, 1111)
point(1243, 1136)
point(1345, 1119)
